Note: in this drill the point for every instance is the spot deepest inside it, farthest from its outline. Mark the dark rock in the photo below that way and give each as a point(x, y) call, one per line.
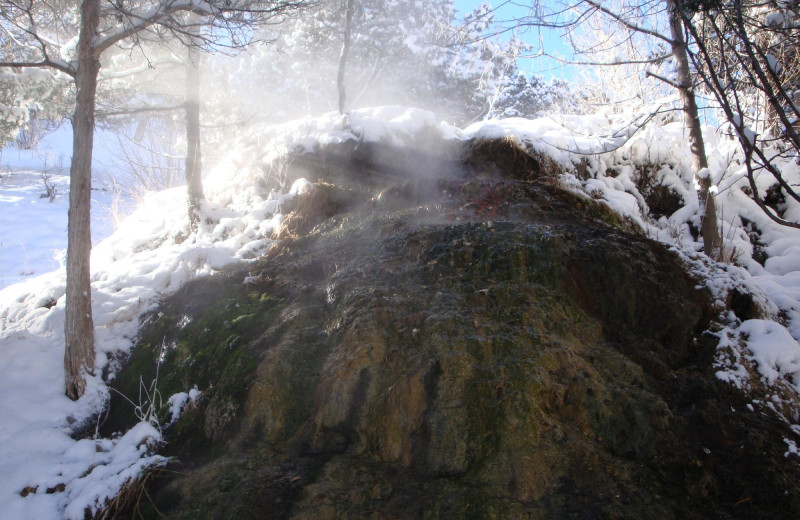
point(455, 347)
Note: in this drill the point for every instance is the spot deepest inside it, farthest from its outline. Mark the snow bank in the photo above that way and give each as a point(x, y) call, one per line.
point(775, 351)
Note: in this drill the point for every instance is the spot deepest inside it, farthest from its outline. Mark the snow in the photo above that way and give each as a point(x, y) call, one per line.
point(774, 349)
point(33, 236)
point(49, 474)
point(177, 402)
point(792, 448)
point(775, 18)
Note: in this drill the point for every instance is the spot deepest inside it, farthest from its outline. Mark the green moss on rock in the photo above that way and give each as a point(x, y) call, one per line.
point(211, 351)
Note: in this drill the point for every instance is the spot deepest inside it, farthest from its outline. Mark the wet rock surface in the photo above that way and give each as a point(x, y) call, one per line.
point(453, 343)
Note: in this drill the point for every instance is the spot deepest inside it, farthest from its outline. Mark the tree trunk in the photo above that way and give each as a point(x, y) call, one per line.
point(348, 29)
point(709, 229)
point(194, 163)
point(79, 328)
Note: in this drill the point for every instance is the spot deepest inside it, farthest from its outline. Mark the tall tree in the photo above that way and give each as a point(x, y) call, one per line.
point(660, 22)
point(685, 86)
point(340, 77)
point(39, 31)
point(747, 54)
point(194, 164)
point(79, 326)
point(159, 81)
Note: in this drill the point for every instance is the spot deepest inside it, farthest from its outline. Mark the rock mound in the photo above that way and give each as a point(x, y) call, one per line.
point(452, 338)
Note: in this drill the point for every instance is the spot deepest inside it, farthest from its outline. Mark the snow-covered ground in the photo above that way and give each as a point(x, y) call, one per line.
point(48, 474)
point(33, 223)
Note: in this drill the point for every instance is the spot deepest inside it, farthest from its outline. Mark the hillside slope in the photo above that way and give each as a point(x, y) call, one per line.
point(453, 335)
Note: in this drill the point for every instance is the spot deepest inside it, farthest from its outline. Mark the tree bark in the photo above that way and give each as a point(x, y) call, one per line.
point(709, 229)
point(348, 29)
point(79, 328)
point(194, 164)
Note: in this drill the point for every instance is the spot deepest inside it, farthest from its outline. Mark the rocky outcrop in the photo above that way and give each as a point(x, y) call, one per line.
point(452, 339)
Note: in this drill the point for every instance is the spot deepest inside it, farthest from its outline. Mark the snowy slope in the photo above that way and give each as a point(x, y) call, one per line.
point(48, 474)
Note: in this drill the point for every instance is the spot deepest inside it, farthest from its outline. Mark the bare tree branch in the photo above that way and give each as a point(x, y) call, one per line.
point(668, 81)
point(627, 24)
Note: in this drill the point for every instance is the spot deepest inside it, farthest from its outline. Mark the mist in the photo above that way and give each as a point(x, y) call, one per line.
point(416, 54)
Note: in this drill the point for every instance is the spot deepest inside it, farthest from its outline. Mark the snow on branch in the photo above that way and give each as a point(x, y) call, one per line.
point(231, 15)
point(18, 25)
point(135, 22)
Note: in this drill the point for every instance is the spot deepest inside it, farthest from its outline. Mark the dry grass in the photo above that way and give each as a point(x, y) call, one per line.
point(320, 203)
point(133, 500)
